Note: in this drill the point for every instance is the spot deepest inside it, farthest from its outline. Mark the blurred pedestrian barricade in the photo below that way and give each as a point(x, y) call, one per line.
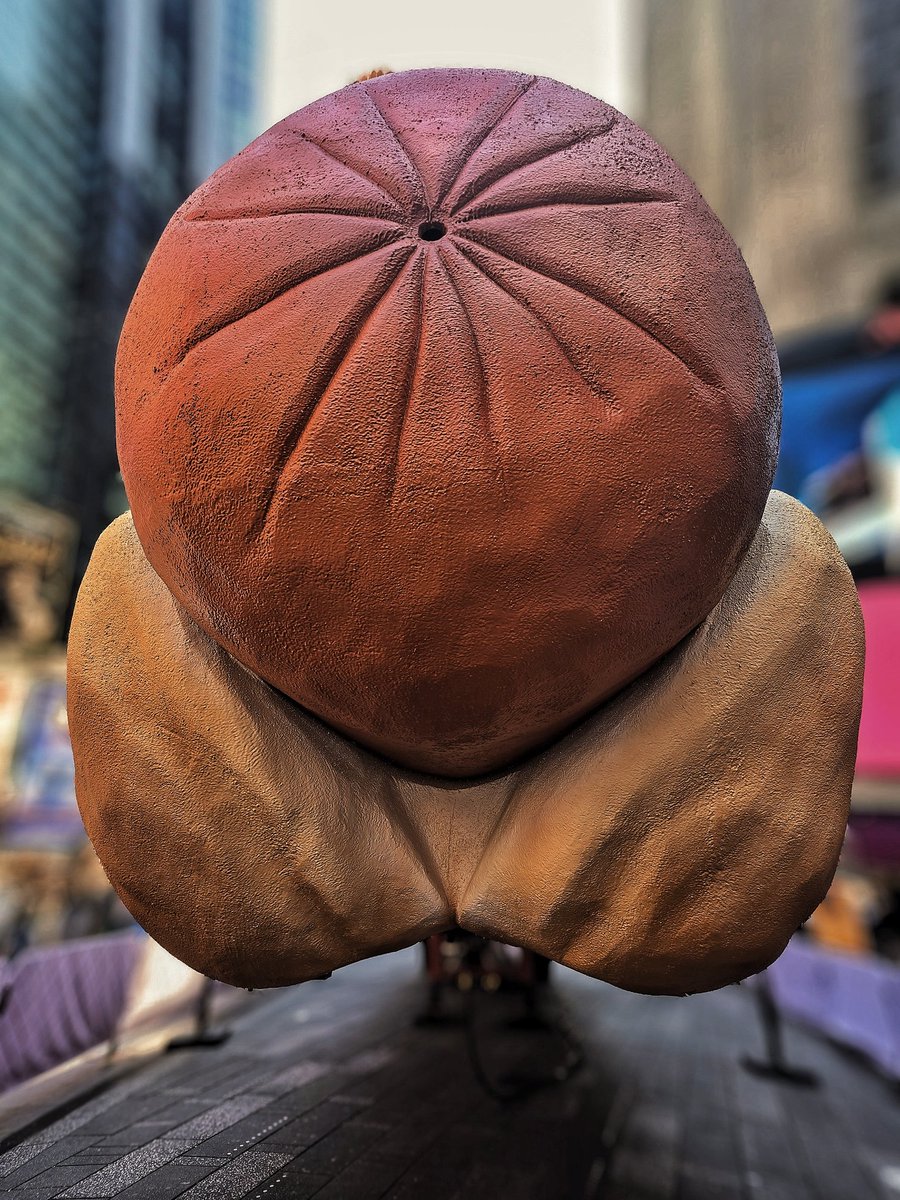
point(58, 1001)
point(852, 999)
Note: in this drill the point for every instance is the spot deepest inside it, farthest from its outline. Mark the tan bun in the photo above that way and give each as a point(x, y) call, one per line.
point(671, 843)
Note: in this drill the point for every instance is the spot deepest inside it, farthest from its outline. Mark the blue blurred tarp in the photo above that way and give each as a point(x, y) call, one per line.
point(824, 410)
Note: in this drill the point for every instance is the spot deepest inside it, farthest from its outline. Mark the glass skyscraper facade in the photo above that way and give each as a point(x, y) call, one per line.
point(50, 77)
point(111, 112)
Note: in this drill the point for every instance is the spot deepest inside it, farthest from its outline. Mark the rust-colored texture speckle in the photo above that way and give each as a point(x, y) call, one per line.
point(447, 407)
point(670, 843)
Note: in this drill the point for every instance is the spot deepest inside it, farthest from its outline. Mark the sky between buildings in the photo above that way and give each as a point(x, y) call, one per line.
point(310, 49)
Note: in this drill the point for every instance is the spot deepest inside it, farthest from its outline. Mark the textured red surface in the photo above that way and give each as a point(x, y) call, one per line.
point(447, 494)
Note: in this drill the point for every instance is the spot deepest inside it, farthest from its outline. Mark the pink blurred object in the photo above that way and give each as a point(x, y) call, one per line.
point(879, 731)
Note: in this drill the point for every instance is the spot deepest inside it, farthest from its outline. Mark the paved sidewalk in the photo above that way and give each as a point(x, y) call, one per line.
point(328, 1090)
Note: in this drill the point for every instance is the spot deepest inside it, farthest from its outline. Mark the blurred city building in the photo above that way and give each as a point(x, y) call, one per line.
point(788, 118)
point(110, 114)
point(50, 71)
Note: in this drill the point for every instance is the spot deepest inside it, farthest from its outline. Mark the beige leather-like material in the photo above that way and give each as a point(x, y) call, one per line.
point(671, 843)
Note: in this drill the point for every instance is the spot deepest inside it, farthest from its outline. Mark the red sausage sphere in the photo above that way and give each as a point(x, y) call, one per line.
point(447, 407)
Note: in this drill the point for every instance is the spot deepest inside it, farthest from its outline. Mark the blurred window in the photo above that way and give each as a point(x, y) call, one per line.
point(879, 66)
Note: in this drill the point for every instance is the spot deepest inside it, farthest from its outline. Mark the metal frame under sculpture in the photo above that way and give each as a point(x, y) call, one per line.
point(452, 591)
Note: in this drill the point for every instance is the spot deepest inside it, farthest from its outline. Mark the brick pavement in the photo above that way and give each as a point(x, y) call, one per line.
point(328, 1090)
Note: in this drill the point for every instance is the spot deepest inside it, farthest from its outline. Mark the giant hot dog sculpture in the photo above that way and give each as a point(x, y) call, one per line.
point(452, 590)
